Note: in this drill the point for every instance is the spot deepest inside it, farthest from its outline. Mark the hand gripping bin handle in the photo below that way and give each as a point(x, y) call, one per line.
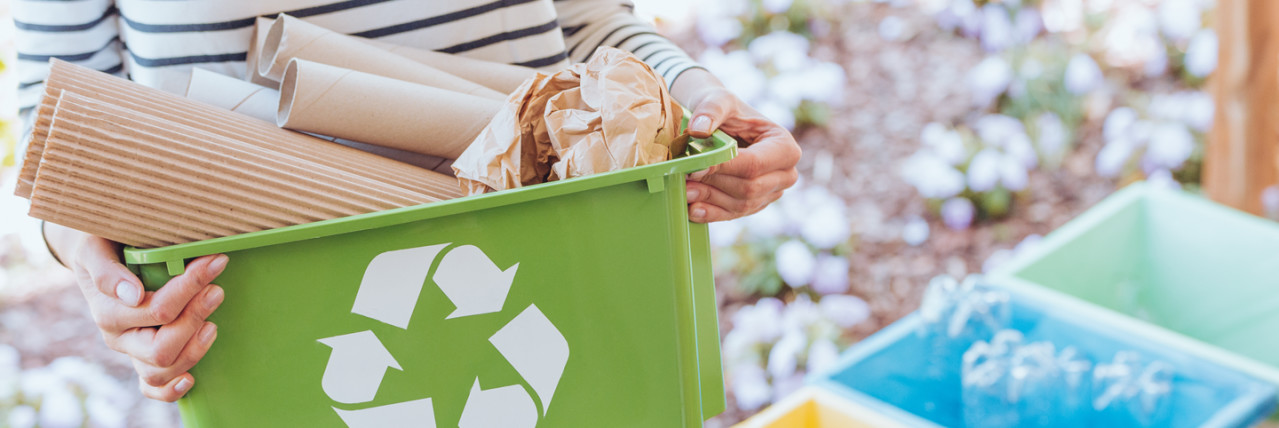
point(629, 228)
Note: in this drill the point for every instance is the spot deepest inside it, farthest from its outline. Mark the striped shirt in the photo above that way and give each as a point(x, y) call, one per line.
point(158, 42)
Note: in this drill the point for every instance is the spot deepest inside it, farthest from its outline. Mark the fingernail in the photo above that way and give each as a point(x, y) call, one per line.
point(701, 124)
point(693, 194)
point(128, 293)
point(217, 265)
point(699, 213)
point(213, 298)
point(182, 386)
point(209, 331)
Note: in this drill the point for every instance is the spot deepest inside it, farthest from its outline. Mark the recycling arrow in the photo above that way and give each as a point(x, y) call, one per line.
point(392, 283)
point(536, 349)
point(420, 412)
point(472, 282)
point(356, 367)
point(507, 407)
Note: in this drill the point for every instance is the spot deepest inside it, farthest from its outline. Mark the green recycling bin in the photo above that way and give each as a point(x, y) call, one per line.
point(582, 302)
point(1174, 267)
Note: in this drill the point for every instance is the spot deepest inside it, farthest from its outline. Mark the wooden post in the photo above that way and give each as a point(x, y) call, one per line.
point(1242, 158)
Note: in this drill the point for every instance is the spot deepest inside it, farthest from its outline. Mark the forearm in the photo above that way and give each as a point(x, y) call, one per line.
point(693, 86)
point(63, 242)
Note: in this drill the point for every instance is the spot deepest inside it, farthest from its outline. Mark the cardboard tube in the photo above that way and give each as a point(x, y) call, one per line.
point(378, 110)
point(504, 78)
point(156, 183)
point(217, 121)
point(291, 38)
point(263, 103)
point(233, 94)
point(260, 27)
point(35, 145)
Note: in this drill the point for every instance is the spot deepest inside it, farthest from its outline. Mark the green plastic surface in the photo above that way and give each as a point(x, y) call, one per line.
point(610, 259)
point(1206, 276)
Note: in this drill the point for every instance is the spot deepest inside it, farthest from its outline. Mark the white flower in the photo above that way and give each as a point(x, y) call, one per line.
point(891, 28)
point(718, 30)
point(750, 387)
point(783, 359)
point(726, 233)
point(1012, 173)
point(1163, 179)
point(795, 263)
point(769, 222)
point(947, 144)
point(800, 314)
point(822, 356)
point(787, 89)
point(996, 129)
point(1019, 148)
point(1179, 19)
point(826, 227)
point(1198, 111)
point(761, 322)
point(1063, 16)
point(844, 310)
point(958, 213)
point(738, 72)
point(984, 170)
point(823, 82)
point(916, 231)
point(988, 80)
point(831, 275)
point(777, 113)
point(103, 413)
point(1201, 54)
point(786, 386)
point(1053, 135)
point(777, 6)
point(1133, 37)
point(1112, 157)
point(996, 259)
point(60, 408)
point(1117, 123)
point(790, 48)
point(1028, 24)
point(996, 28)
point(1169, 147)
point(22, 416)
point(933, 177)
point(1082, 75)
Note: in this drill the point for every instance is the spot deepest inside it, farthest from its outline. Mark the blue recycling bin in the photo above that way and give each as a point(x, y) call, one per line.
point(890, 371)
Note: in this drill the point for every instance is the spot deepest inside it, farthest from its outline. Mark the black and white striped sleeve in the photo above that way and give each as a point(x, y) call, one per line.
point(85, 32)
point(589, 24)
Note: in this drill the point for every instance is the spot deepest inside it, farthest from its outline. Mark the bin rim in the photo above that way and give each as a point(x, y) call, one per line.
point(700, 156)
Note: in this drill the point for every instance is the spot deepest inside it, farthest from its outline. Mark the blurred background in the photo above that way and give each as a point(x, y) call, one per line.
point(939, 137)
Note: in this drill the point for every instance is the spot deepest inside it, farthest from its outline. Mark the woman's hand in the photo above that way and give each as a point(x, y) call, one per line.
point(761, 170)
point(164, 332)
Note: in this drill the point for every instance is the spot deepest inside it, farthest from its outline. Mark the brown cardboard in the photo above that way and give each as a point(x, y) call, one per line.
point(35, 144)
point(373, 109)
point(158, 183)
point(504, 78)
point(291, 38)
point(263, 103)
point(610, 113)
point(260, 27)
point(221, 122)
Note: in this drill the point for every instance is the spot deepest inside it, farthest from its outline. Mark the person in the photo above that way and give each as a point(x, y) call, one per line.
point(157, 43)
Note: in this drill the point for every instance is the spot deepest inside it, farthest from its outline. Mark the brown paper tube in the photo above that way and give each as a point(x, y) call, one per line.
point(497, 76)
point(177, 184)
point(35, 144)
point(378, 110)
point(291, 38)
point(263, 103)
point(224, 123)
point(260, 27)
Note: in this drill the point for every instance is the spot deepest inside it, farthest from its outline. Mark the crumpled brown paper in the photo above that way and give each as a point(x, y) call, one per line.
point(610, 113)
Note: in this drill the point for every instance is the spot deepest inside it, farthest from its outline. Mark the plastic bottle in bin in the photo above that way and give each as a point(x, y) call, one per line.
point(1131, 391)
point(1009, 383)
point(957, 315)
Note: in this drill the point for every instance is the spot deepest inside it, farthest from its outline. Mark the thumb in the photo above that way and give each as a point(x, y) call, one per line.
point(709, 114)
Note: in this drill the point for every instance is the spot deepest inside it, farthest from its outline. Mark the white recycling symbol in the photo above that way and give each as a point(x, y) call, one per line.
point(389, 292)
